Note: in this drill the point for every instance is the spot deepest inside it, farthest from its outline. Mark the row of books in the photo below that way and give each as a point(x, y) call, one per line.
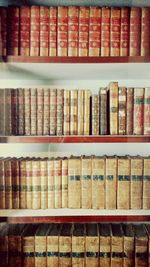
point(43, 111)
point(75, 31)
point(59, 245)
point(76, 182)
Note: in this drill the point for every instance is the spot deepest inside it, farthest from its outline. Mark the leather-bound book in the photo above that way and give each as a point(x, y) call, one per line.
point(41, 245)
point(15, 183)
point(95, 31)
point(122, 111)
point(113, 105)
point(46, 111)
point(44, 182)
point(2, 112)
point(23, 184)
point(27, 111)
point(80, 108)
point(146, 183)
point(40, 110)
point(125, 29)
point(111, 183)
point(145, 32)
point(73, 30)
point(141, 245)
point(51, 184)
point(66, 115)
point(21, 111)
point(35, 31)
point(8, 184)
point(29, 198)
point(53, 245)
point(25, 30)
point(117, 245)
point(58, 182)
point(4, 244)
point(148, 233)
point(92, 245)
point(103, 111)
point(78, 245)
point(53, 31)
point(105, 32)
point(65, 245)
point(86, 182)
point(84, 13)
point(3, 16)
point(95, 114)
point(138, 111)
point(13, 31)
point(53, 111)
point(129, 111)
point(36, 184)
point(115, 26)
point(129, 250)
point(60, 107)
point(44, 30)
point(147, 111)
point(2, 184)
point(33, 108)
point(8, 115)
point(86, 118)
point(14, 111)
point(73, 111)
point(64, 182)
point(105, 244)
point(135, 31)
point(62, 31)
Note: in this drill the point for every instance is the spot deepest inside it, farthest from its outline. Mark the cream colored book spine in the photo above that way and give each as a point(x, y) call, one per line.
point(80, 112)
point(65, 183)
point(146, 183)
point(58, 182)
point(44, 183)
point(51, 185)
point(86, 188)
point(113, 91)
point(87, 95)
point(111, 183)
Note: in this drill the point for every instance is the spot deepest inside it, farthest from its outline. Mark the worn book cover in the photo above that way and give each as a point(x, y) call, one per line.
point(141, 245)
point(78, 245)
point(138, 111)
point(86, 182)
point(36, 184)
point(128, 252)
point(44, 182)
point(62, 31)
point(65, 245)
point(58, 182)
point(8, 115)
point(60, 107)
point(113, 106)
point(122, 111)
point(146, 183)
point(147, 111)
point(92, 245)
point(14, 111)
point(53, 111)
point(135, 31)
point(129, 111)
point(46, 111)
point(29, 183)
point(53, 31)
point(105, 244)
point(27, 111)
point(51, 184)
point(66, 115)
point(8, 184)
point(117, 245)
point(33, 93)
point(145, 32)
point(103, 111)
point(35, 31)
point(21, 111)
point(2, 112)
point(73, 30)
point(13, 31)
point(41, 245)
point(2, 184)
point(4, 244)
point(105, 32)
point(44, 30)
point(124, 34)
point(111, 183)
point(84, 13)
point(64, 182)
point(3, 15)
point(24, 30)
point(136, 182)
point(15, 183)
point(73, 111)
point(95, 31)
point(86, 120)
point(80, 119)
point(95, 114)
point(53, 245)
point(23, 184)
point(40, 110)
point(115, 26)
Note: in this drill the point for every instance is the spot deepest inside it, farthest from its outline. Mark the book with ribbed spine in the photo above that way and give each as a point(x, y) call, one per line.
point(111, 183)
point(13, 31)
point(73, 30)
point(148, 233)
point(147, 111)
point(78, 245)
point(58, 182)
point(27, 111)
point(33, 108)
point(122, 111)
point(128, 252)
point(95, 114)
point(44, 30)
point(40, 110)
point(44, 183)
point(83, 31)
point(2, 112)
point(2, 184)
point(129, 111)
point(29, 197)
point(35, 31)
point(135, 31)
point(80, 112)
point(113, 105)
point(53, 31)
point(15, 183)
point(24, 31)
point(21, 111)
point(86, 118)
point(65, 182)
point(86, 188)
point(117, 245)
point(53, 245)
point(14, 111)
point(65, 245)
point(105, 32)
point(8, 115)
point(46, 111)
point(60, 106)
point(103, 111)
point(41, 245)
point(115, 25)
point(146, 183)
point(36, 184)
point(3, 15)
point(23, 184)
point(8, 184)
point(124, 34)
point(53, 111)
point(138, 114)
point(51, 184)
point(95, 31)
point(136, 182)
point(92, 245)
point(73, 111)
point(145, 33)
point(66, 115)
point(141, 245)
point(62, 31)
point(105, 244)
point(4, 244)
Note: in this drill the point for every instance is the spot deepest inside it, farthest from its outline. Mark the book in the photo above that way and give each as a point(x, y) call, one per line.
point(22, 184)
point(138, 113)
point(113, 106)
point(14, 111)
point(84, 13)
point(86, 188)
point(103, 111)
point(4, 244)
point(53, 31)
point(115, 26)
point(147, 111)
point(2, 184)
point(65, 182)
point(41, 245)
point(105, 244)
point(62, 31)
point(66, 115)
point(146, 183)
point(21, 111)
point(111, 183)
point(15, 183)
point(124, 34)
point(122, 111)
point(80, 108)
point(86, 117)
point(53, 245)
point(92, 245)
point(65, 245)
point(3, 16)
point(13, 21)
point(128, 252)
point(46, 111)
point(129, 110)
point(44, 30)
point(145, 33)
point(24, 30)
point(73, 111)
point(27, 111)
point(33, 109)
point(51, 184)
point(105, 32)
point(116, 245)
point(135, 31)
point(29, 184)
point(35, 31)
point(40, 110)
point(7, 111)
point(73, 30)
point(148, 233)
point(60, 105)
point(8, 183)
point(2, 112)
point(44, 182)
point(95, 114)
point(78, 245)
point(95, 31)
point(36, 184)
point(53, 111)
point(58, 182)
point(141, 245)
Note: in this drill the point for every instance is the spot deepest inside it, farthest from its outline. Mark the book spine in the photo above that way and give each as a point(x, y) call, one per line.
point(2, 184)
point(124, 34)
point(86, 189)
point(40, 110)
point(15, 183)
point(129, 111)
point(105, 251)
point(58, 182)
point(64, 183)
point(147, 111)
point(24, 31)
point(141, 251)
point(8, 184)
point(103, 111)
point(83, 31)
point(23, 185)
point(14, 246)
point(35, 31)
point(52, 251)
point(111, 180)
point(73, 111)
point(53, 31)
point(3, 15)
point(95, 114)
point(8, 119)
point(2, 112)
point(21, 111)
point(29, 197)
point(44, 30)
point(80, 109)
point(64, 251)
point(14, 111)
point(92, 251)
point(62, 31)
point(115, 25)
point(27, 111)
point(40, 251)
point(53, 111)
point(36, 184)
point(128, 252)
point(95, 31)
point(13, 31)
point(105, 32)
point(122, 110)
point(66, 121)
point(116, 251)
point(138, 111)
point(44, 183)
point(86, 118)
point(28, 250)
point(60, 107)
point(4, 250)
point(135, 31)
point(145, 33)
point(51, 192)
point(146, 184)
point(123, 184)
point(74, 183)
point(73, 30)
point(136, 183)
point(113, 108)
point(98, 183)
point(46, 118)
point(33, 109)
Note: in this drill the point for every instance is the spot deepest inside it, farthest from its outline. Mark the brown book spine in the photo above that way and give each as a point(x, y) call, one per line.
point(53, 111)
point(141, 251)
point(2, 112)
point(52, 251)
point(116, 251)
point(115, 23)
point(95, 31)
point(36, 184)
point(2, 184)
point(145, 32)
point(65, 251)
point(95, 114)
point(147, 111)
point(80, 109)
point(105, 251)
point(111, 182)
point(60, 106)
point(122, 110)
point(138, 111)
point(33, 108)
point(27, 111)
point(14, 111)
point(58, 182)
point(14, 246)
point(44, 183)
point(53, 31)
point(23, 184)
point(83, 31)
point(40, 110)
point(3, 15)
point(4, 247)
point(64, 183)
point(15, 183)
point(136, 183)
point(73, 30)
point(135, 31)
point(8, 115)
point(92, 251)
point(35, 31)
point(40, 251)
point(8, 184)
point(66, 115)
point(78, 250)
point(129, 111)
point(44, 30)
point(46, 118)
point(113, 104)
point(21, 111)
point(13, 31)
point(128, 259)
point(62, 31)
point(86, 119)
point(146, 183)
point(24, 30)
point(105, 32)
point(103, 111)
point(124, 34)
point(86, 188)
point(29, 197)
point(51, 185)
point(73, 111)
point(28, 250)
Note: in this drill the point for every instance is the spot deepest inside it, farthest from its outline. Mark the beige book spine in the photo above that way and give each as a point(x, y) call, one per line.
point(122, 111)
point(46, 119)
point(116, 251)
point(136, 183)
point(27, 103)
point(146, 183)
point(92, 251)
point(65, 183)
point(78, 250)
point(2, 184)
point(53, 111)
point(128, 260)
point(52, 251)
point(58, 182)
point(51, 192)
point(29, 184)
point(40, 110)
point(64, 251)
point(111, 182)
point(23, 185)
point(86, 192)
point(33, 111)
point(113, 90)
point(105, 251)
point(36, 184)
point(60, 105)
point(147, 111)
point(44, 183)
point(28, 250)
point(66, 121)
point(141, 251)
point(8, 184)
point(87, 95)
point(95, 114)
point(73, 111)
point(80, 112)
point(40, 251)
point(138, 114)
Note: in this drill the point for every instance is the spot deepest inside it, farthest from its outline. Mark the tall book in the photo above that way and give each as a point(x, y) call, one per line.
point(113, 105)
point(4, 244)
point(136, 182)
point(3, 15)
point(86, 119)
point(53, 111)
point(51, 184)
point(73, 111)
point(53, 31)
point(44, 183)
point(147, 111)
point(65, 245)
point(40, 110)
point(8, 115)
point(78, 245)
point(92, 245)
point(64, 182)
point(62, 31)
point(46, 111)
point(8, 184)
point(146, 183)
point(33, 109)
point(13, 31)
point(135, 31)
point(44, 30)
point(105, 244)
point(15, 183)
point(2, 184)
point(98, 182)
point(86, 188)
point(66, 115)
point(21, 111)
point(58, 182)
point(80, 108)
point(95, 114)
point(115, 25)
point(103, 111)
point(14, 111)
point(95, 31)
point(83, 31)
point(74, 182)
point(117, 245)
point(53, 245)
point(35, 31)
point(2, 112)
point(24, 31)
point(73, 30)
point(145, 33)
point(111, 183)
point(141, 245)
point(36, 184)
point(128, 252)
point(129, 111)
point(123, 183)
point(27, 111)
point(29, 197)
point(148, 233)
point(122, 111)
point(138, 111)
point(60, 106)
point(124, 34)
point(23, 184)
point(105, 32)
point(41, 245)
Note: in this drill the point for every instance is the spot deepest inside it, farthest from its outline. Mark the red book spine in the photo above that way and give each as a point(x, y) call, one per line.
point(35, 31)
point(44, 30)
point(3, 17)
point(83, 31)
point(105, 32)
point(53, 32)
point(135, 31)
point(13, 31)
point(62, 31)
point(73, 30)
point(24, 31)
point(145, 32)
point(124, 35)
point(95, 31)
point(115, 31)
